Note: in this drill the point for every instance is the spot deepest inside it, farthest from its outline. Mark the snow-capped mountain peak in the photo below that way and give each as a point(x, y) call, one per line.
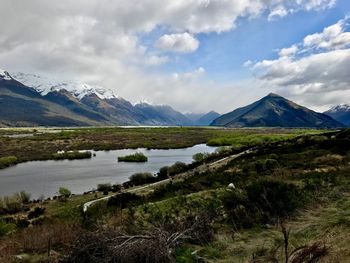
point(340, 108)
point(4, 75)
point(45, 85)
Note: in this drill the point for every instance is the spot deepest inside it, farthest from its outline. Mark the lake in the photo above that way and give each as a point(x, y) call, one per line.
point(45, 177)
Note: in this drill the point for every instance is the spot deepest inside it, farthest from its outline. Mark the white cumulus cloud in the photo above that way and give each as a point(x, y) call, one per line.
point(98, 42)
point(183, 43)
point(319, 77)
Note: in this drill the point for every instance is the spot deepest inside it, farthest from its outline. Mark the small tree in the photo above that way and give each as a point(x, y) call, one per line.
point(64, 192)
point(177, 168)
point(104, 187)
point(163, 172)
point(199, 157)
point(142, 178)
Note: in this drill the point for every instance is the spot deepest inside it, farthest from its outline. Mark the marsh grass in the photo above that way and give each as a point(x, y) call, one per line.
point(72, 155)
point(136, 158)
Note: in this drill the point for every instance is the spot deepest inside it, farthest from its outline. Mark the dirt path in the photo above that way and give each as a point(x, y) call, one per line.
point(212, 166)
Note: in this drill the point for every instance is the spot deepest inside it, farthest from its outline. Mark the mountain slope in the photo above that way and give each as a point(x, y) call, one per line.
point(23, 106)
point(31, 100)
point(275, 111)
point(340, 113)
point(161, 115)
point(207, 119)
point(201, 119)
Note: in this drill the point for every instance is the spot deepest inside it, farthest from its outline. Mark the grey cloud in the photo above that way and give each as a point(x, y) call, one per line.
point(97, 41)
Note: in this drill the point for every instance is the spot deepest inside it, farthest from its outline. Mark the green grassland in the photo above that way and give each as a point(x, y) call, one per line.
point(295, 182)
point(42, 144)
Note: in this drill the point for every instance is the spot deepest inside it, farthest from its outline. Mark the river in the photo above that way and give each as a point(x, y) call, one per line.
point(43, 178)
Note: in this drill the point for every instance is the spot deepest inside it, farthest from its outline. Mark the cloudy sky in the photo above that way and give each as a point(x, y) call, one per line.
point(195, 55)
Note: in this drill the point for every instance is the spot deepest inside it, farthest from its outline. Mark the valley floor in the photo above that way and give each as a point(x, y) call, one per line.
point(288, 196)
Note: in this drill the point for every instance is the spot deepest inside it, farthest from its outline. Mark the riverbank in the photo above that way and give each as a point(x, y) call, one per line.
point(30, 144)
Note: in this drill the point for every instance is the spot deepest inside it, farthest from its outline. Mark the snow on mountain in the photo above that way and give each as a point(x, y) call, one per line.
point(4, 75)
point(340, 108)
point(45, 85)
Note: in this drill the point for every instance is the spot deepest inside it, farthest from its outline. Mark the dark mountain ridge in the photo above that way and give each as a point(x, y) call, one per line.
point(275, 111)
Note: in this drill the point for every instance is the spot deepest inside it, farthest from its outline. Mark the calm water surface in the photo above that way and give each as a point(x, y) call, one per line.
point(45, 177)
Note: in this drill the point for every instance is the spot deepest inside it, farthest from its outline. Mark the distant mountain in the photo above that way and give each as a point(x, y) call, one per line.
point(32, 100)
point(202, 119)
point(194, 117)
point(161, 115)
point(340, 113)
point(275, 111)
point(207, 119)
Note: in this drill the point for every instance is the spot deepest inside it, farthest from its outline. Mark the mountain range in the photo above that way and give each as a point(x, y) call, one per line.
point(340, 113)
point(275, 111)
point(32, 100)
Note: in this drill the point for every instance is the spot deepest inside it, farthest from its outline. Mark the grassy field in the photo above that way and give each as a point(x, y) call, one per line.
point(42, 144)
point(291, 192)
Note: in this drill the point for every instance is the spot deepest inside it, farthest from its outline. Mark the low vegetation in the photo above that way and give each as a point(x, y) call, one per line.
point(46, 142)
point(285, 201)
point(142, 178)
point(64, 193)
point(8, 161)
point(71, 155)
point(135, 158)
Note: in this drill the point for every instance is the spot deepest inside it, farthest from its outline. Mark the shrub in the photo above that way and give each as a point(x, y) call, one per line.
point(64, 192)
point(72, 155)
point(266, 166)
point(177, 168)
point(142, 178)
point(5, 228)
point(274, 198)
point(122, 200)
point(116, 187)
point(23, 197)
point(200, 157)
point(261, 202)
point(163, 173)
point(136, 157)
point(38, 211)
point(104, 187)
point(11, 204)
point(8, 161)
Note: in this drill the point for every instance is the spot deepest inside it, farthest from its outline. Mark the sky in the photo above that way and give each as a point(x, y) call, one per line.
point(195, 55)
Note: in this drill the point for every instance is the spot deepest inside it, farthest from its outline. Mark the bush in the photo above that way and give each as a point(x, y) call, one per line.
point(163, 173)
point(5, 228)
point(266, 166)
point(13, 204)
point(38, 211)
point(261, 202)
point(136, 157)
point(200, 157)
point(72, 155)
point(274, 198)
point(64, 192)
point(178, 167)
point(122, 200)
point(142, 178)
point(23, 197)
point(116, 188)
point(104, 187)
point(8, 161)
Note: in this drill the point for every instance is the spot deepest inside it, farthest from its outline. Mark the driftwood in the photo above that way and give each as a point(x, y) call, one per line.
point(155, 245)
